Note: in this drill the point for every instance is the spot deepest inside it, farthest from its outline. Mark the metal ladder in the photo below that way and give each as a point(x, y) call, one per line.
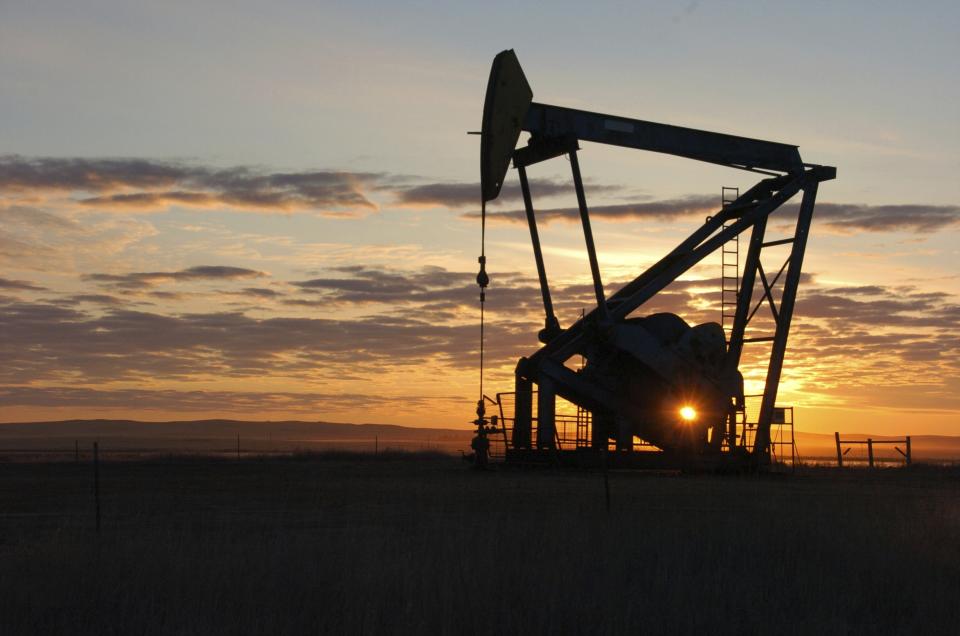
point(583, 415)
point(730, 269)
point(583, 428)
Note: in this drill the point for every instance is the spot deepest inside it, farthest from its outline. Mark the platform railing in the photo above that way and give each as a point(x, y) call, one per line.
point(572, 430)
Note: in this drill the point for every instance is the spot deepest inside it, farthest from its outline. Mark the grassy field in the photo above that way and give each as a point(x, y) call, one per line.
point(421, 544)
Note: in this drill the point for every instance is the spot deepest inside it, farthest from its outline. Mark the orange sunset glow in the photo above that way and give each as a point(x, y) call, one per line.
point(164, 266)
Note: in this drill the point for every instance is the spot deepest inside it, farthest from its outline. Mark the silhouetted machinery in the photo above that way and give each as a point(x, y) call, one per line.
point(652, 380)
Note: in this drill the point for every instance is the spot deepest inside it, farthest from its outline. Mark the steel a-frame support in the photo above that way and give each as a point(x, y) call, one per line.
point(749, 212)
point(588, 236)
point(782, 316)
point(753, 205)
point(551, 325)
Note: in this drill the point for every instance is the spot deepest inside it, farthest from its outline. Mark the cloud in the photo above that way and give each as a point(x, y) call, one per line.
point(44, 341)
point(432, 289)
point(461, 195)
point(386, 319)
point(848, 339)
point(141, 185)
point(511, 294)
point(141, 280)
point(918, 218)
point(888, 307)
point(94, 299)
point(839, 217)
point(198, 401)
point(87, 339)
point(19, 285)
point(701, 205)
point(33, 238)
point(260, 292)
point(146, 185)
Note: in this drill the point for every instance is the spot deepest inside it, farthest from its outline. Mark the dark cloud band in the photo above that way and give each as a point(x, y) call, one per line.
point(139, 280)
point(840, 217)
point(140, 184)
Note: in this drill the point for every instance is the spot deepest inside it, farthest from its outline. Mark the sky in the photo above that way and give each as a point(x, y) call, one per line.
point(269, 210)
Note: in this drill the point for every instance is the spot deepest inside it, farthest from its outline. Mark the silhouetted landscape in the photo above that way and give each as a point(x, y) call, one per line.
point(221, 436)
point(417, 543)
point(205, 437)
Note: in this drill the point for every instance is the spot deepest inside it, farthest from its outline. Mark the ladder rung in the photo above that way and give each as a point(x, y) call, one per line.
point(761, 339)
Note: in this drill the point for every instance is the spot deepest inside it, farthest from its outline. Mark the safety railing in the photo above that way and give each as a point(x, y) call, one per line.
point(571, 430)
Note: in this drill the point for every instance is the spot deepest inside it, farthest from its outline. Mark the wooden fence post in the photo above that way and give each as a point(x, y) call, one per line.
point(870, 451)
point(836, 436)
point(909, 454)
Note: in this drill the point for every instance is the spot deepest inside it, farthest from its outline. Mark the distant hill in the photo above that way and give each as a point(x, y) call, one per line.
point(221, 435)
point(203, 435)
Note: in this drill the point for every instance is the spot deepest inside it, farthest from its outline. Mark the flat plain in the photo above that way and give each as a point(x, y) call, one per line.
point(421, 543)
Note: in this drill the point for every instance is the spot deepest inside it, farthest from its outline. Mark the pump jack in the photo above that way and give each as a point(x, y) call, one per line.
point(655, 378)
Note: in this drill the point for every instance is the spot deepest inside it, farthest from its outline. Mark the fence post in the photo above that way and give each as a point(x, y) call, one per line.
point(238, 445)
point(870, 451)
point(836, 436)
point(96, 481)
point(76, 451)
point(909, 455)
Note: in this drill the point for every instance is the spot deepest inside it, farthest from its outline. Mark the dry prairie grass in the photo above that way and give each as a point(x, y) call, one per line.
point(420, 544)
